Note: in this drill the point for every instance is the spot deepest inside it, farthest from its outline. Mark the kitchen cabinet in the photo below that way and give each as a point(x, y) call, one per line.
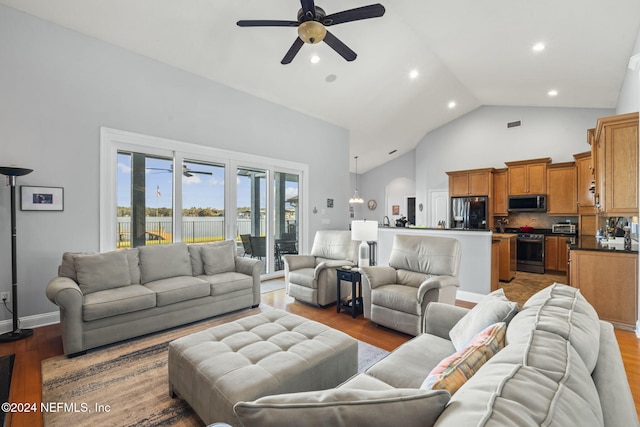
point(507, 257)
point(584, 173)
point(562, 189)
point(500, 192)
point(527, 176)
point(609, 281)
point(556, 253)
point(615, 148)
point(476, 182)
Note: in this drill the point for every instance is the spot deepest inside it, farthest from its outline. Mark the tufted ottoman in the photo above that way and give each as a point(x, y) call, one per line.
point(268, 353)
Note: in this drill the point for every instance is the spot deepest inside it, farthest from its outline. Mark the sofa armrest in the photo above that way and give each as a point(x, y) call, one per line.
point(379, 275)
point(296, 262)
point(439, 318)
point(251, 267)
point(66, 294)
point(611, 382)
point(437, 282)
point(331, 263)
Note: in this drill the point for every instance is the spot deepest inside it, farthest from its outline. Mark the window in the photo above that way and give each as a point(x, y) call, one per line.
point(145, 202)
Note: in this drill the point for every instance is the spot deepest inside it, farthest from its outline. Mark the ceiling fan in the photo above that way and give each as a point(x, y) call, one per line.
point(185, 171)
point(312, 22)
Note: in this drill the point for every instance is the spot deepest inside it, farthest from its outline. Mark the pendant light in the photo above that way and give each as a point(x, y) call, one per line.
point(356, 197)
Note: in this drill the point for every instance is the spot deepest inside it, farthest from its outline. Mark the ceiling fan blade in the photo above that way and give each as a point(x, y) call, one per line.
point(339, 47)
point(308, 8)
point(267, 23)
point(365, 12)
point(293, 51)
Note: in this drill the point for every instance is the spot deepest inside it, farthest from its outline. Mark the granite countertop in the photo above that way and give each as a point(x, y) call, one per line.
point(590, 243)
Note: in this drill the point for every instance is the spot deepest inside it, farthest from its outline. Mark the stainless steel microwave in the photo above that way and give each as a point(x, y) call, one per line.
point(528, 203)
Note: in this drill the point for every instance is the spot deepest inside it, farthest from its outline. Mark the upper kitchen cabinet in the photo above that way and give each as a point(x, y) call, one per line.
point(476, 182)
point(584, 173)
point(562, 189)
point(500, 190)
point(528, 176)
point(615, 149)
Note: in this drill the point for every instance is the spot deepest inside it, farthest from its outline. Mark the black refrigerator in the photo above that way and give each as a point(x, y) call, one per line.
point(469, 213)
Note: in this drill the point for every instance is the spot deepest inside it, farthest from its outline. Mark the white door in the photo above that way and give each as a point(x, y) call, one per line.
point(439, 202)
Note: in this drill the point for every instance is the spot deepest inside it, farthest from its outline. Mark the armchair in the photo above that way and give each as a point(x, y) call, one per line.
point(312, 278)
point(421, 269)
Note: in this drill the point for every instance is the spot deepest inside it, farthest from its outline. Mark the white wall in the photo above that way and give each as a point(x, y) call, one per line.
point(481, 139)
point(629, 98)
point(381, 184)
point(59, 87)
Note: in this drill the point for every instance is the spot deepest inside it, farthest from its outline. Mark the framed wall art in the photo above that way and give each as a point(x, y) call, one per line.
point(41, 198)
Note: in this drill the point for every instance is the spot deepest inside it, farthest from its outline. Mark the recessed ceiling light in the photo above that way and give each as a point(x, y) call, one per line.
point(552, 92)
point(452, 104)
point(538, 47)
point(413, 74)
point(331, 78)
point(314, 59)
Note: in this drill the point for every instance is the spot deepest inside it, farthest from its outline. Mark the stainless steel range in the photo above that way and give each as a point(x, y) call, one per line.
point(530, 252)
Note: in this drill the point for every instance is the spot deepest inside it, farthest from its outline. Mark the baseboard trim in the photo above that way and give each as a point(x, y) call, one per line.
point(469, 296)
point(30, 322)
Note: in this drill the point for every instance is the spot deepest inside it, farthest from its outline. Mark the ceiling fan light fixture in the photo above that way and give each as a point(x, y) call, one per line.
point(311, 32)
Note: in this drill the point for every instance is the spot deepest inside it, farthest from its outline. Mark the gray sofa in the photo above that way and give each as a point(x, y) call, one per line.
point(113, 296)
point(561, 366)
point(312, 278)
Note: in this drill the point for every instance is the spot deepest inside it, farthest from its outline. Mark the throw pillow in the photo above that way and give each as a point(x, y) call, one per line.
point(219, 257)
point(102, 271)
point(493, 308)
point(345, 407)
point(453, 371)
point(164, 261)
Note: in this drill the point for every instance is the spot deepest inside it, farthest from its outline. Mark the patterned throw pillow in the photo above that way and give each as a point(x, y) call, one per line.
point(453, 371)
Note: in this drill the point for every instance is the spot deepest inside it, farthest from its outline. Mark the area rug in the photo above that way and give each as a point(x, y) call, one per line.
point(126, 384)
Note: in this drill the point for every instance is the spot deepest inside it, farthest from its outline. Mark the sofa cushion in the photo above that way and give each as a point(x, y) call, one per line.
point(397, 297)
point(112, 302)
point(456, 369)
point(408, 365)
point(334, 244)
point(562, 310)
point(164, 261)
point(503, 394)
point(345, 407)
point(554, 357)
point(224, 283)
point(540, 380)
point(493, 308)
point(99, 272)
point(426, 254)
point(219, 257)
point(411, 278)
point(176, 289)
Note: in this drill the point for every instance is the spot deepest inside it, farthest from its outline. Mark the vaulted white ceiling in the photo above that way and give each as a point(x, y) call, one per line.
point(468, 51)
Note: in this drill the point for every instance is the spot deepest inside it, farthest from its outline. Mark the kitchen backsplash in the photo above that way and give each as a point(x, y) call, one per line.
point(538, 220)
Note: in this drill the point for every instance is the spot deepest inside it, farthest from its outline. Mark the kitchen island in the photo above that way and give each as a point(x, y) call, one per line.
point(475, 264)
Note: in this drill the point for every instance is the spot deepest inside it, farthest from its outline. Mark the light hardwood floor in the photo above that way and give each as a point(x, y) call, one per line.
point(26, 386)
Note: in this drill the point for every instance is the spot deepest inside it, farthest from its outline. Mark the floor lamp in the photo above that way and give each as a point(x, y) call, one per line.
point(17, 333)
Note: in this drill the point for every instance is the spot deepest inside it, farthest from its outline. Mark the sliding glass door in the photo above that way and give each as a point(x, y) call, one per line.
point(286, 216)
point(157, 191)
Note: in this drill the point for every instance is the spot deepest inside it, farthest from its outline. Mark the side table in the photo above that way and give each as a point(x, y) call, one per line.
point(351, 305)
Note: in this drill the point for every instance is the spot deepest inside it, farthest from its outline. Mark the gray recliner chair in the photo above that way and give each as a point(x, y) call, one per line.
point(312, 278)
point(421, 269)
